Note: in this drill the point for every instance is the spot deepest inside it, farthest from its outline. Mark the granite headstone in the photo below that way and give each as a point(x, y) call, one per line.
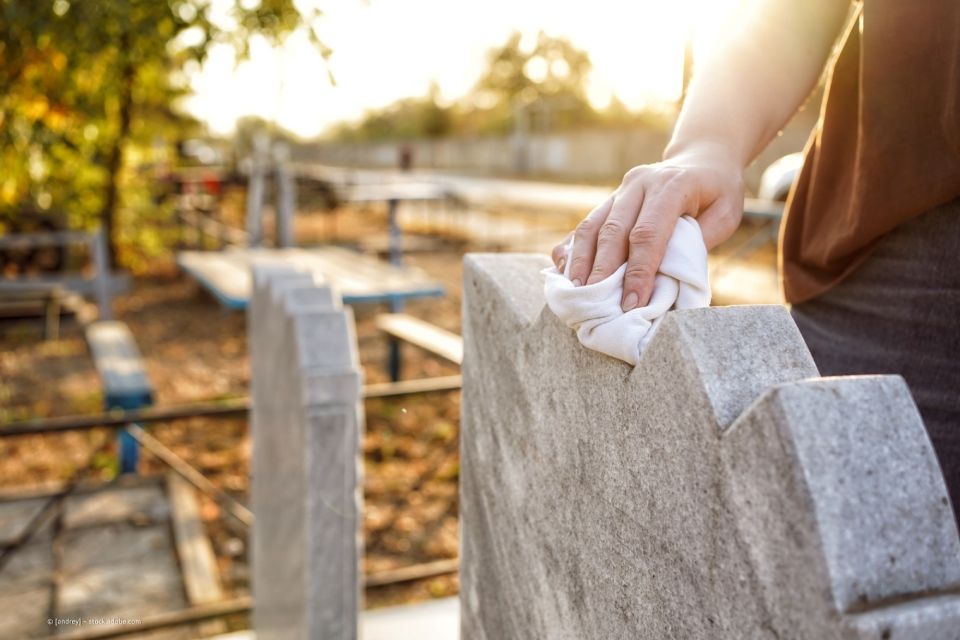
point(306, 422)
point(720, 489)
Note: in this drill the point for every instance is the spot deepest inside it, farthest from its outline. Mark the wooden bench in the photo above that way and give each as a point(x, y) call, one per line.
point(431, 338)
point(103, 284)
point(125, 383)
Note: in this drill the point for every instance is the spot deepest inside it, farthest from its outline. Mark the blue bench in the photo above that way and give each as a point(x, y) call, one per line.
point(125, 383)
point(359, 279)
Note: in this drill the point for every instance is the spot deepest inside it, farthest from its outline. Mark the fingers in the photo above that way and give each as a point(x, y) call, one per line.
point(720, 220)
point(612, 235)
point(636, 222)
point(585, 242)
point(559, 253)
point(648, 240)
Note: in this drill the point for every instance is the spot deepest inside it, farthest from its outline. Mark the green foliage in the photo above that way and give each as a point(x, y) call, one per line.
point(406, 119)
point(249, 127)
point(536, 90)
point(554, 73)
point(87, 89)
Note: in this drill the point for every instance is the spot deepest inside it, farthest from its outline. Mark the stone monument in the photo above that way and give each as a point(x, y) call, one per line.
point(721, 489)
point(306, 421)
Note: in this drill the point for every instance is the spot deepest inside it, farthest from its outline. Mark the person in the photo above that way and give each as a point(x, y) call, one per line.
point(405, 157)
point(870, 244)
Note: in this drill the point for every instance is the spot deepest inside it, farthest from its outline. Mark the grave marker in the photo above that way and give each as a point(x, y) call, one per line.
point(306, 420)
point(719, 490)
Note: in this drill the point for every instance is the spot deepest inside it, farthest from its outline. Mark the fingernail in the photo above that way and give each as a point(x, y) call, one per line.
point(630, 302)
point(577, 282)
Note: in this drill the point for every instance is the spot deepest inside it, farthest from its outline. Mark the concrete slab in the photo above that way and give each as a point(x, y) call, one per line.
point(26, 580)
point(434, 619)
point(111, 556)
point(138, 505)
point(24, 612)
point(30, 566)
point(120, 571)
point(15, 517)
point(431, 620)
point(25, 591)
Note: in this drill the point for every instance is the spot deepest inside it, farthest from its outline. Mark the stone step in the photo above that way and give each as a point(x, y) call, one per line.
point(435, 619)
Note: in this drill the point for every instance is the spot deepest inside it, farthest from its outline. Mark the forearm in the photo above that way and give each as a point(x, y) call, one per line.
point(757, 79)
point(737, 102)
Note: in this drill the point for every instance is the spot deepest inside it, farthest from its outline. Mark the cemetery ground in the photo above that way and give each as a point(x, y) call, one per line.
point(196, 351)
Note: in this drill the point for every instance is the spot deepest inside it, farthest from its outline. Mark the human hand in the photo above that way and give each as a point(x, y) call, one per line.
point(634, 224)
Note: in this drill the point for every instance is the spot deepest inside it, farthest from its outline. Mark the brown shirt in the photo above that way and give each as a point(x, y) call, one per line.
point(887, 145)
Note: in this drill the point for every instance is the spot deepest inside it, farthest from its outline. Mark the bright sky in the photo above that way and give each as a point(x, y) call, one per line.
point(384, 50)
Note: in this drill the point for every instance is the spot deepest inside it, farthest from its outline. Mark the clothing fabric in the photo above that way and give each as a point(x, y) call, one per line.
point(887, 146)
point(899, 312)
point(593, 311)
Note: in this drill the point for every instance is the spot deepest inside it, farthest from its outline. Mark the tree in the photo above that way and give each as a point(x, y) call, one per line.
point(86, 82)
point(546, 84)
point(409, 118)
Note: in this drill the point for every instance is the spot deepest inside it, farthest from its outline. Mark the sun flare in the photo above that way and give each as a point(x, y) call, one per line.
point(384, 50)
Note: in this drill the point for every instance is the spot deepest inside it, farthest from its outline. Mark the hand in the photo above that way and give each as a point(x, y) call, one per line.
point(635, 223)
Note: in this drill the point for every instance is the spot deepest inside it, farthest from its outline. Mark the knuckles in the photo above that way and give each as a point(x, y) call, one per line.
point(661, 176)
point(642, 233)
point(634, 175)
point(585, 227)
point(599, 272)
point(611, 231)
point(638, 272)
point(578, 264)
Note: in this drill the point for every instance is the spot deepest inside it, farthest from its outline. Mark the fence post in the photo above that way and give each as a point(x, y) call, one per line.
point(98, 250)
point(255, 190)
point(286, 197)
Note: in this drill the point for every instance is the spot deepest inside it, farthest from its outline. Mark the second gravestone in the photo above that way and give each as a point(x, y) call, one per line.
point(306, 422)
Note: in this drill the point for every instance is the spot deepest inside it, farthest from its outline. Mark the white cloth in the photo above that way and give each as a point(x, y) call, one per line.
point(594, 311)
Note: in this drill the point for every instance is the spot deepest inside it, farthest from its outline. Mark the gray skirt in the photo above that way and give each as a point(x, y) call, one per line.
point(899, 313)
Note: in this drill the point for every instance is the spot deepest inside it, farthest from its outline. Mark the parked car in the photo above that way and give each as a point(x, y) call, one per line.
point(778, 178)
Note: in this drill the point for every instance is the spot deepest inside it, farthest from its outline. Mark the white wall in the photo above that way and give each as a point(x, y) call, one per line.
point(598, 155)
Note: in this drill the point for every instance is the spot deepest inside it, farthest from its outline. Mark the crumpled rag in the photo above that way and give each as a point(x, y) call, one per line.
point(593, 311)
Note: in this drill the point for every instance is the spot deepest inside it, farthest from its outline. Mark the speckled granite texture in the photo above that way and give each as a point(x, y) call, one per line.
point(719, 490)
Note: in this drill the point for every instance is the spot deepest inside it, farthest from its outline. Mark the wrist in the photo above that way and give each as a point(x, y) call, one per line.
point(703, 149)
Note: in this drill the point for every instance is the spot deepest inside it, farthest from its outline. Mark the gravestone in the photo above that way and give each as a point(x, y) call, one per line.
point(286, 187)
point(306, 420)
point(720, 489)
point(256, 189)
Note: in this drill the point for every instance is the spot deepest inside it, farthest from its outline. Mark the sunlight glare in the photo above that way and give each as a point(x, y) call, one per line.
point(385, 50)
